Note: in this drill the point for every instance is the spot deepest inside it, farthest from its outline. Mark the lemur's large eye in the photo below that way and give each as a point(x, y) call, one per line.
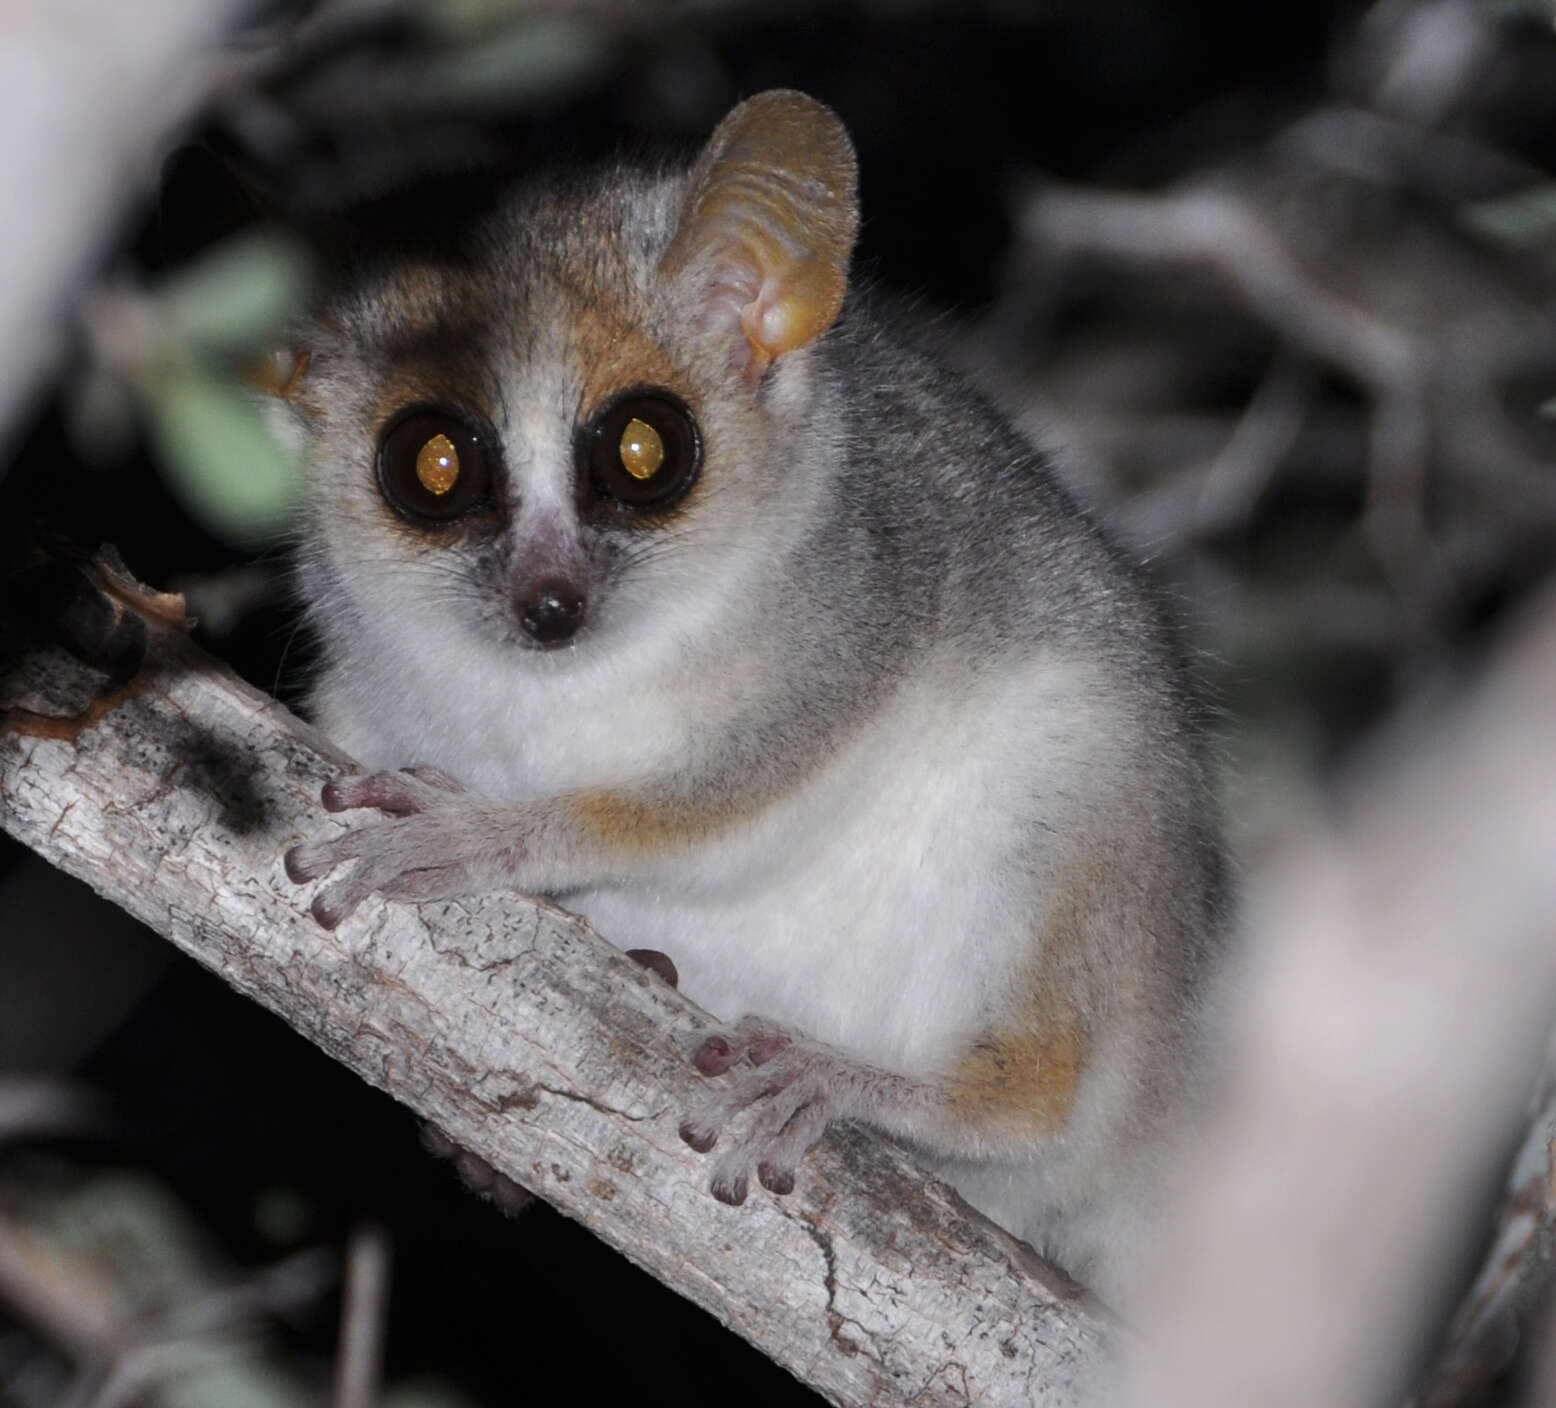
point(434, 464)
point(642, 450)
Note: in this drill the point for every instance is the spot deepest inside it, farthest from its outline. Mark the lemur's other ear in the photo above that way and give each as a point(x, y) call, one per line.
point(280, 372)
point(768, 226)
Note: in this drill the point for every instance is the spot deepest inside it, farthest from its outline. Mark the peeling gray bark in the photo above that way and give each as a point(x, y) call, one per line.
point(529, 1040)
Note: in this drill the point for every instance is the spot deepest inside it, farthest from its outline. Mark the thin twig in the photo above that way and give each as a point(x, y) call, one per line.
point(1394, 517)
point(364, 1314)
point(1218, 228)
point(31, 1107)
point(1264, 434)
point(73, 1309)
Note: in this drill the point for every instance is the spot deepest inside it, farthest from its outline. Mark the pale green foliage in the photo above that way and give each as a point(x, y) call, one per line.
point(218, 456)
point(423, 1392)
point(237, 295)
point(518, 61)
point(176, 356)
point(1526, 217)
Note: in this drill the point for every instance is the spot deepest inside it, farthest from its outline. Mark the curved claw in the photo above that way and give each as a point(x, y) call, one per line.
point(402, 793)
point(298, 864)
point(312, 859)
point(715, 1056)
point(327, 912)
point(775, 1179)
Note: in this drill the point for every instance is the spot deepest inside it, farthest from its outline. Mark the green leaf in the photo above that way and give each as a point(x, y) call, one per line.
point(233, 1376)
point(1523, 218)
point(219, 458)
point(529, 60)
point(131, 1219)
point(237, 294)
point(424, 1391)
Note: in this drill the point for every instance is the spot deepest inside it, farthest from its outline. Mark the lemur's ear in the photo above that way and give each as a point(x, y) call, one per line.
point(281, 377)
point(280, 372)
point(768, 226)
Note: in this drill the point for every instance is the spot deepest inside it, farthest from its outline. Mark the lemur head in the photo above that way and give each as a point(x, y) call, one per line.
point(517, 434)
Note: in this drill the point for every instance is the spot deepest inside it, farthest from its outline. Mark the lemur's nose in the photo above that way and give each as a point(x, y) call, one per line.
point(551, 613)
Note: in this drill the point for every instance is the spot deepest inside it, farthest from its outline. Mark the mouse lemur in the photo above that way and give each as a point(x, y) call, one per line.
point(703, 600)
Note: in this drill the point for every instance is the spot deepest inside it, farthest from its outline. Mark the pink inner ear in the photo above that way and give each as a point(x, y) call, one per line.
point(766, 322)
point(772, 318)
point(736, 305)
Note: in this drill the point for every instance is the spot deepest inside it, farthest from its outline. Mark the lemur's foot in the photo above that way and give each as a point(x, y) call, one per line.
point(434, 844)
point(797, 1083)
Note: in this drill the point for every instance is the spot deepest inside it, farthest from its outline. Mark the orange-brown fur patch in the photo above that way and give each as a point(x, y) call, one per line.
point(407, 386)
point(418, 291)
point(1021, 1081)
point(280, 372)
point(631, 825)
point(616, 355)
point(1020, 1077)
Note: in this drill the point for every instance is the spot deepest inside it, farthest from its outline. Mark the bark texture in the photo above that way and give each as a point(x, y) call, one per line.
point(527, 1038)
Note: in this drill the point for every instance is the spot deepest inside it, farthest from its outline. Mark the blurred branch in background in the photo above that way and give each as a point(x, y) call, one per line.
point(89, 95)
point(1380, 264)
point(112, 1276)
point(364, 1319)
point(36, 1108)
point(1387, 1035)
point(1312, 369)
point(1435, 422)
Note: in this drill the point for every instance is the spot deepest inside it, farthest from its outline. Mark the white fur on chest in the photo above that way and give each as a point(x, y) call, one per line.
point(884, 905)
point(519, 730)
point(872, 908)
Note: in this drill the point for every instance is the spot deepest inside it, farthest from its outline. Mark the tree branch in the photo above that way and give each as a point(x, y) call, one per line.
point(532, 1042)
point(1388, 1023)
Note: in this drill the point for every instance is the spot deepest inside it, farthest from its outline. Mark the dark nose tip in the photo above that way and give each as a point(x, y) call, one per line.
point(551, 613)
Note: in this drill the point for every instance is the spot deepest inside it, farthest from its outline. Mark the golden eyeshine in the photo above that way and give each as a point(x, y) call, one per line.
point(437, 465)
point(642, 451)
